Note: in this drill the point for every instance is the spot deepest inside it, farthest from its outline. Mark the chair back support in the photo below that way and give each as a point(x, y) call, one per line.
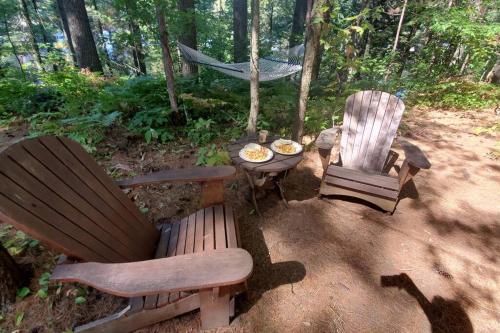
point(371, 119)
point(54, 191)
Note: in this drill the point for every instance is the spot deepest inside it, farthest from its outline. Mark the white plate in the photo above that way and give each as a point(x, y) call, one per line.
point(253, 146)
point(296, 145)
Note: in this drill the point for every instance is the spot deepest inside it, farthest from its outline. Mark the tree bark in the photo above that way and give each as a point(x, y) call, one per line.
point(81, 35)
point(102, 40)
point(188, 34)
point(32, 37)
point(313, 36)
point(240, 30)
point(64, 22)
point(14, 48)
point(167, 62)
point(254, 70)
point(10, 278)
point(299, 18)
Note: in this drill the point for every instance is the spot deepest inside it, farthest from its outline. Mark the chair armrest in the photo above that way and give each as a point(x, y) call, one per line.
point(413, 155)
point(188, 272)
point(197, 174)
point(326, 139)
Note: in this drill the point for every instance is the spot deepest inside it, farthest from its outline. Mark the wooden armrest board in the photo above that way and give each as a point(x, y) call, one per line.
point(414, 155)
point(180, 273)
point(197, 174)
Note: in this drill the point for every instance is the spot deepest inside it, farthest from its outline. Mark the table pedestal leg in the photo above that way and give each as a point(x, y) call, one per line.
point(252, 189)
point(279, 182)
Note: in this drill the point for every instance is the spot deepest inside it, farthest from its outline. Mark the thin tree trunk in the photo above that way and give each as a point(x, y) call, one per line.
point(102, 39)
point(254, 70)
point(14, 48)
point(139, 57)
point(46, 38)
point(10, 278)
point(396, 41)
point(271, 14)
point(400, 24)
point(299, 17)
point(312, 45)
point(67, 33)
point(81, 35)
point(167, 62)
point(240, 30)
point(34, 43)
point(464, 64)
point(188, 34)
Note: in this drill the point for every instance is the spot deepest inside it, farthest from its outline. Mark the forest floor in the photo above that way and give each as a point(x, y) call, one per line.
point(332, 265)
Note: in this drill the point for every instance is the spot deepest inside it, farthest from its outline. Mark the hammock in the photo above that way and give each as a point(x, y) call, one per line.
point(276, 66)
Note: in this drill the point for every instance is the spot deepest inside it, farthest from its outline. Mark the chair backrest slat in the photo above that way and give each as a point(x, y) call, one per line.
point(371, 119)
point(73, 205)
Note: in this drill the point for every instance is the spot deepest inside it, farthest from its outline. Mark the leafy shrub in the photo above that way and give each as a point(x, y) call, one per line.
point(457, 94)
point(201, 131)
point(86, 129)
point(212, 156)
point(152, 124)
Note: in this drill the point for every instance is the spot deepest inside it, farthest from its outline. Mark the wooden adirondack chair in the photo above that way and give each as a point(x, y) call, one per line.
point(371, 119)
point(53, 190)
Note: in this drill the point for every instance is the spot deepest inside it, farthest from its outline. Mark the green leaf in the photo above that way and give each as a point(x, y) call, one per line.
point(23, 292)
point(42, 293)
point(19, 318)
point(80, 300)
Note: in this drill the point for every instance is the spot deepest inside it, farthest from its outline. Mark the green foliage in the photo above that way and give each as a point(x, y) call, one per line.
point(212, 156)
point(80, 300)
point(201, 131)
point(15, 242)
point(152, 124)
point(457, 94)
point(19, 318)
point(43, 283)
point(23, 292)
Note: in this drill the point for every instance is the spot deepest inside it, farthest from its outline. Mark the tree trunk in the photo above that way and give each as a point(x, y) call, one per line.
point(167, 63)
point(10, 278)
point(102, 39)
point(81, 35)
point(254, 70)
point(240, 30)
point(188, 34)
point(139, 57)
point(34, 43)
point(299, 17)
point(14, 48)
point(313, 36)
point(400, 24)
point(46, 38)
point(64, 22)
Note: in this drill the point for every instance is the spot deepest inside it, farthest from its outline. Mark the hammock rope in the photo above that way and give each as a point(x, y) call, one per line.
point(279, 65)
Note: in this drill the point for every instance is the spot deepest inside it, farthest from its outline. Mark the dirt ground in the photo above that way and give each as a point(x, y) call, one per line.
point(336, 265)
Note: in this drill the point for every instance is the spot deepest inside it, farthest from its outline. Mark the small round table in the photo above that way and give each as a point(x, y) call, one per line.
point(275, 170)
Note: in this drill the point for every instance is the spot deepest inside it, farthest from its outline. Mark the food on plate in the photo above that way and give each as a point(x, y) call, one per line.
point(255, 152)
point(285, 146)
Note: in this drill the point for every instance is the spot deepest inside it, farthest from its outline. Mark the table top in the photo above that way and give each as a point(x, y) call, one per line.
point(276, 164)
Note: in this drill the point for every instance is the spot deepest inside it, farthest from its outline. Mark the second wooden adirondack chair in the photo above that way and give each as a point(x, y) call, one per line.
point(54, 191)
point(371, 119)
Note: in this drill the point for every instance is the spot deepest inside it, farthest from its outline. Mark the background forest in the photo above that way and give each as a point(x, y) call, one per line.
point(81, 68)
point(110, 73)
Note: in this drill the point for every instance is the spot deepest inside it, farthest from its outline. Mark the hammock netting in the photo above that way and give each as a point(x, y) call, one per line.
point(276, 66)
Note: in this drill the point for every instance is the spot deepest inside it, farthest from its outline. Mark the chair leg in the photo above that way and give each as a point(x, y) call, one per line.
point(215, 307)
